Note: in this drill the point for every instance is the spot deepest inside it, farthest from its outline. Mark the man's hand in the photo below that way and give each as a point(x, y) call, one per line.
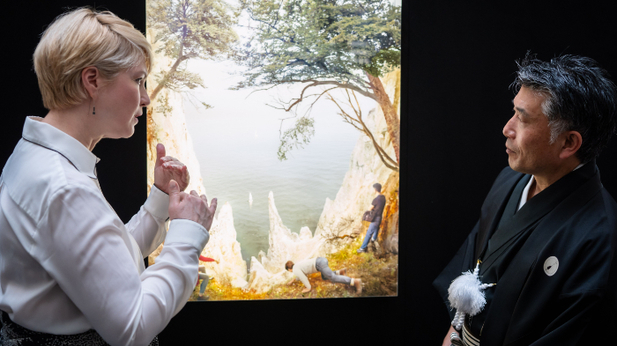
point(167, 168)
point(306, 290)
point(191, 206)
point(446, 340)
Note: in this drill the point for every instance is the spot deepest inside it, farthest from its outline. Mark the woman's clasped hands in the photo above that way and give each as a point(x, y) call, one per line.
point(172, 177)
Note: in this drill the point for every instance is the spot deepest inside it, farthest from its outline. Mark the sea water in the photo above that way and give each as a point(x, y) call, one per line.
point(236, 143)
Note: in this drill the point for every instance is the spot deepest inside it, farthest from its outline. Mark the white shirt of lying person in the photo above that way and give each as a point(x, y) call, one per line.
point(69, 264)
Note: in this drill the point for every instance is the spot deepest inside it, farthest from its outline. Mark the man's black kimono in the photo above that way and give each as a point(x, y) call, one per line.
point(552, 261)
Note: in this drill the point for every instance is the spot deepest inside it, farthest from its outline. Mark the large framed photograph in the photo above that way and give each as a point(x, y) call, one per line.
point(288, 112)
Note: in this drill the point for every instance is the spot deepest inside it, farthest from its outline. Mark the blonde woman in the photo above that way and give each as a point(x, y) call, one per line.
point(71, 273)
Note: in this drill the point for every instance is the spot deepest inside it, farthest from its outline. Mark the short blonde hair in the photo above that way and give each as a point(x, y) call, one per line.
point(83, 38)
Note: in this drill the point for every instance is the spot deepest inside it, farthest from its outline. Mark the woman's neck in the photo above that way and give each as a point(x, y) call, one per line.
point(75, 122)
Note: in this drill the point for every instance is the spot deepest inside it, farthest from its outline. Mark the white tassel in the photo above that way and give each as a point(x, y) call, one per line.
point(459, 319)
point(466, 295)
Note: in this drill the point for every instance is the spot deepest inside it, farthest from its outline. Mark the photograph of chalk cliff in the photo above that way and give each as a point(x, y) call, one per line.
point(287, 111)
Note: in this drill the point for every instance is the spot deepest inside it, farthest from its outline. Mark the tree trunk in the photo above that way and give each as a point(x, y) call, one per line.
point(169, 73)
point(389, 112)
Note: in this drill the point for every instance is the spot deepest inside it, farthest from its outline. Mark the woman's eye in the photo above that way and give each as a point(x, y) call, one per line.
point(139, 80)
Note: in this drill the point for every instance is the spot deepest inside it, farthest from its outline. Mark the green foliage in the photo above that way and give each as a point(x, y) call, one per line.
point(383, 62)
point(164, 107)
point(379, 278)
point(193, 28)
point(338, 40)
point(187, 29)
point(326, 43)
point(296, 136)
point(179, 79)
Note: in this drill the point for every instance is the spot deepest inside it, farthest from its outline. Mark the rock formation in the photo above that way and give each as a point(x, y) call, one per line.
point(224, 247)
point(166, 124)
point(342, 217)
point(261, 280)
point(284, 245)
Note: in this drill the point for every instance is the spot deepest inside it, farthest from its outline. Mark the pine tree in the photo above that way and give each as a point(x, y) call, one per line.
point(345, 44)
point(188, 29)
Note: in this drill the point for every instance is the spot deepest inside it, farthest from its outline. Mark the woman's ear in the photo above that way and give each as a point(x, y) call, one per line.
point(91, 80)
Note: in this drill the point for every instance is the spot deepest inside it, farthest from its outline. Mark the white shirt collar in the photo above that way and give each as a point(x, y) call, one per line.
point(47, 136)
point(525, 193)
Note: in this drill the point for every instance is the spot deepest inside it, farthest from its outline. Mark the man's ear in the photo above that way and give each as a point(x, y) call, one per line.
point(91, 80)
point(572, 143)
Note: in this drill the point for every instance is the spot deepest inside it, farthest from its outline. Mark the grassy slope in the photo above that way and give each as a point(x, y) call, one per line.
point(379, 278)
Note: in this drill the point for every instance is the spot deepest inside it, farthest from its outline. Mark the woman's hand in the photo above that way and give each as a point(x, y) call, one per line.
point(167, 168)
point(190, 206)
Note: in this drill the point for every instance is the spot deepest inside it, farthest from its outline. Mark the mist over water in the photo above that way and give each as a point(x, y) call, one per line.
point(236, 144)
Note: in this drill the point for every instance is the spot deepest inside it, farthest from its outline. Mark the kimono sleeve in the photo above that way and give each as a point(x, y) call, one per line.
point(459, 264)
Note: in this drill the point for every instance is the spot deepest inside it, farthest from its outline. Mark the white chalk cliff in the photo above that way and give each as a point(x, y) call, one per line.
point(225, 248)
point(169, 128)
point(269, 269)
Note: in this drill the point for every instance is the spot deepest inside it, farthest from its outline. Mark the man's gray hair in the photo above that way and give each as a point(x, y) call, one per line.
point(579, 96)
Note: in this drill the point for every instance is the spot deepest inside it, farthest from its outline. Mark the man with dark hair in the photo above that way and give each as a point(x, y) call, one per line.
point(376, 210)
point(320, 264)
point(546, 234)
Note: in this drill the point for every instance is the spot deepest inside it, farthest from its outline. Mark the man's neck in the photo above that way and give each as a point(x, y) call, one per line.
point(541, 182)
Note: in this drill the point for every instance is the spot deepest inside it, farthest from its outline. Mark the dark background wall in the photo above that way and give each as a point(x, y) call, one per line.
point(122, 170)
point(458, 60)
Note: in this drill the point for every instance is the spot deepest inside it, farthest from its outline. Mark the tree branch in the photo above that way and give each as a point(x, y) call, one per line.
point(315, 82)
point(385, 158)
point(168, 75)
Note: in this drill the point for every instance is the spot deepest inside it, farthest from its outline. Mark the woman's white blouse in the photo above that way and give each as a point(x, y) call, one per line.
point(69, 264)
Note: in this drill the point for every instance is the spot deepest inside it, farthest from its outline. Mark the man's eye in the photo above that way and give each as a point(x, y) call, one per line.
point(518, 116)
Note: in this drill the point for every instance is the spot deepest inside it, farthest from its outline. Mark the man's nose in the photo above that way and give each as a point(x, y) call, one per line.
point(508, 129)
